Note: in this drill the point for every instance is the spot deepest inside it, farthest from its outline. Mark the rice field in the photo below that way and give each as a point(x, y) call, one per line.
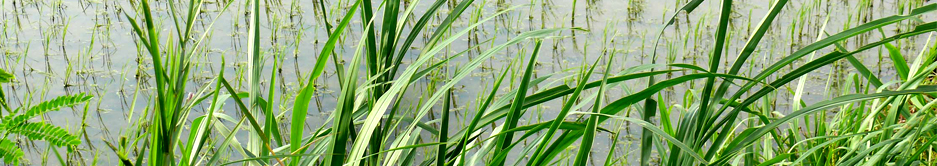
point(468, 82)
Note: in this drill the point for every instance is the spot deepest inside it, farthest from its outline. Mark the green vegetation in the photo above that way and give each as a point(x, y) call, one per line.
point(399, 66)
point(17, 122)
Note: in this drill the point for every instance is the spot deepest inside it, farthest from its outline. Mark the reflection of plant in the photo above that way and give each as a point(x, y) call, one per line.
point(17, 123)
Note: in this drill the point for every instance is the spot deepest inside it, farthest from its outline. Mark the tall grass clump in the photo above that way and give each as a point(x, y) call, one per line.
point(159, 132)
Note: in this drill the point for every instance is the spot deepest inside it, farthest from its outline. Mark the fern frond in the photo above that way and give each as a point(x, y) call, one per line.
point(43, 131)
point(11, 153)
point(47, 106)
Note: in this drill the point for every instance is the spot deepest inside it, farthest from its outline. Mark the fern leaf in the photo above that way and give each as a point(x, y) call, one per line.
point(43, 131)
point(11, 153)
point(47, 106)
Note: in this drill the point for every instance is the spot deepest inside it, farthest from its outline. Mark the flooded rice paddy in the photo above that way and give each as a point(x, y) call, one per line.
point(66, 47)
